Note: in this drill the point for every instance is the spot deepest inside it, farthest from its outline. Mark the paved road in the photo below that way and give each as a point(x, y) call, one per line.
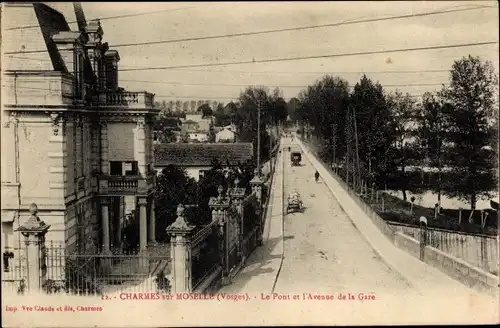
point(324, 252)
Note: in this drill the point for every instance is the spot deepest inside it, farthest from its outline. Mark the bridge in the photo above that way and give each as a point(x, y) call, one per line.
point(333, 249)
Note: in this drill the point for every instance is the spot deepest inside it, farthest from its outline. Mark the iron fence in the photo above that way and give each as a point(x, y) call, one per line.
point(14, 270)
point(91, 273)
point(233, 237)
point(250, 242)
point(106, 272)
point(205, 254)
point(251, 217)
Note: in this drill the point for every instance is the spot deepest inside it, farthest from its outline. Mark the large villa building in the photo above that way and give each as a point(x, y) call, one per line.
point(73, 141)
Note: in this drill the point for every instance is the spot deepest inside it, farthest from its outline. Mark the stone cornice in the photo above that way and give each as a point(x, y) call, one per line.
point(112, 55)
point(79, 109)
point(70, 37)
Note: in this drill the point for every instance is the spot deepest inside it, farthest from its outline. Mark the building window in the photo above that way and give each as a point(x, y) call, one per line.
point(131, 168)
point(115, 168)
point(7, 256)
point(201, 173)
point(124, 168)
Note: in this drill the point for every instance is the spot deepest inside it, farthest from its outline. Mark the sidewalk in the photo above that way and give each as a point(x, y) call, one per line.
point(262, 265)
point(423, 278)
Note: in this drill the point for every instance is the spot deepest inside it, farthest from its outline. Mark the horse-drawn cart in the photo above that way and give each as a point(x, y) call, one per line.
point(294, 202)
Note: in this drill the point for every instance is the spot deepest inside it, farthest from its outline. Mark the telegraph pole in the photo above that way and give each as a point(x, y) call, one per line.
point(334, 138)
point(270, 150)
point(439, 160)
point(357, 146)
point(258, 137)
point(348, 143)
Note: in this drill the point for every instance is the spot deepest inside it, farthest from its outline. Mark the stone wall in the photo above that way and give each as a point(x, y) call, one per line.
point(82, 226)
point(478, 250)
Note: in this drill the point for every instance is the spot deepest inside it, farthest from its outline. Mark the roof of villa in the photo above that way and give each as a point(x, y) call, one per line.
point(202, 154)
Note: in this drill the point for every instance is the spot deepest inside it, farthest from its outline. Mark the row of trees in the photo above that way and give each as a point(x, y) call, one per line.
point(384, 136)
point(186, 105)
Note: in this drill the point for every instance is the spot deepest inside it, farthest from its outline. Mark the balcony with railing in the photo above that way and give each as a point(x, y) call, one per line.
point(126, 185)
point(127, 99)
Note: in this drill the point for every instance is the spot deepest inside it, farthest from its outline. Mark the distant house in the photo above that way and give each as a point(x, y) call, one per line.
point(189, 126)
point(197, 158)
point(197, 136)
point(196, 122)
point(226, 133)
point(225, 136)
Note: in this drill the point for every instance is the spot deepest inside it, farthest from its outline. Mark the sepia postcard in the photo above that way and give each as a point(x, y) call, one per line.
point(249, 163)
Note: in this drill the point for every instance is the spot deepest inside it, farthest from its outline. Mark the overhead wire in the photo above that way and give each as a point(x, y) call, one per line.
point(277, 86)
point(184, 67)
point(161, 96)
point(273, 60)
point(221, 36)
point(351, 22)
point(106, 18)
point(275, 72)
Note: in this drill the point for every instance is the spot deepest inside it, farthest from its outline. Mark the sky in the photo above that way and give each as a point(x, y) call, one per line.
point(176, 20)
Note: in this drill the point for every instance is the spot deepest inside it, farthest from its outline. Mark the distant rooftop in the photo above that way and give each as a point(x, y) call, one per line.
point(183, 154)
point(189, 122)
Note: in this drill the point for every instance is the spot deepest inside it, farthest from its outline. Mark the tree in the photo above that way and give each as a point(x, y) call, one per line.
point(471, 154)
point(430, 133)
point(173, 187)
point(178, 106)
point(403, 112)
point(184, 138)
point(192, 106)
point(166, 136)
point(375, 136)
point(211, 133)
point(278, 109)
point(246, 118)
point(224, 115)
point(292, 106)
point(205, 110)
point(323, 106)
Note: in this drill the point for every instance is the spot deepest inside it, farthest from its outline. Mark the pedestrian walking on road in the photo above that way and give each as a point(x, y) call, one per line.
point(316, 176)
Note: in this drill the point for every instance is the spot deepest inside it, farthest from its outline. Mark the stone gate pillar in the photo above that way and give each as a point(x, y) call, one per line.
point(34, 231)
point(219, 206)
point(423, 236)
point(142, 204)
point(180, 249)
point(256, 183)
